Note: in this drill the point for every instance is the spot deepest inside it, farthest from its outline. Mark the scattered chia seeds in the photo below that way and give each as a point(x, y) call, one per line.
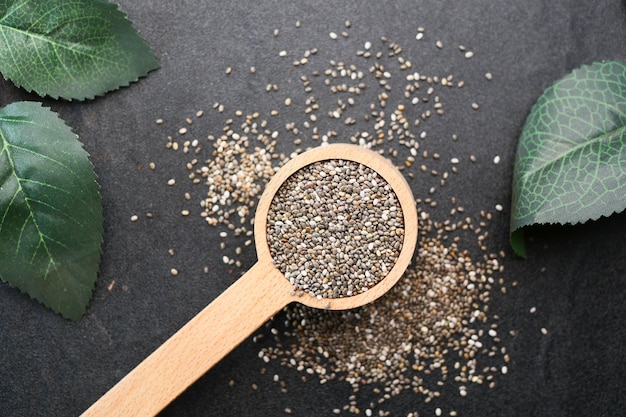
point(432, 329)
point(433, 333)
point(335, 229)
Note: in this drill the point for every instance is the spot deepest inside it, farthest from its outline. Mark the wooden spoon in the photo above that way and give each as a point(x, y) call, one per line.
point(249, 302)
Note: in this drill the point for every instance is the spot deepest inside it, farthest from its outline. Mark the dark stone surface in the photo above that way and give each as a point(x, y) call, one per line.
point(54, 367)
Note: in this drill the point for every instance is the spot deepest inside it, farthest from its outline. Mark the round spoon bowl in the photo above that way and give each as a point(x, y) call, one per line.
point(399, 186)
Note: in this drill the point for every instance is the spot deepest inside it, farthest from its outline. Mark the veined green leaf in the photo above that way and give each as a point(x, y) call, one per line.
point(570, 164)
point(50, 210)
point(74, 49)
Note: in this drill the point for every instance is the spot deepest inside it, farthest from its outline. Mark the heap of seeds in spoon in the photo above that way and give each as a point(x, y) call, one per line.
point(335, 229)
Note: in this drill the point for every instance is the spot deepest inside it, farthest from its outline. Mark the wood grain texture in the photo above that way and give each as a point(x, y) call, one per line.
point(198, 345)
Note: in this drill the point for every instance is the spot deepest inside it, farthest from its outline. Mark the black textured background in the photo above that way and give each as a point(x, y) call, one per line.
point(575, 276)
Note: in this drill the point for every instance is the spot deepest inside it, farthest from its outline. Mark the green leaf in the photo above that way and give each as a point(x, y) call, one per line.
point(570, 164)
point(50, 210)
point(74, 49)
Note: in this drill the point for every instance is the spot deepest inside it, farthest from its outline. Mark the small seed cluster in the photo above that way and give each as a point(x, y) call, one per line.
point(434, 330)
point(335, 229)
point(234, 176)
point(242, 159)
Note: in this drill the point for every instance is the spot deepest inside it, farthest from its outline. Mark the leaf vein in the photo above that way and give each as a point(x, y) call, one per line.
point(596, 139)
point(7, 42)
point(47, 158)
point(63, 45)
point(57, 210)
point(6, 211)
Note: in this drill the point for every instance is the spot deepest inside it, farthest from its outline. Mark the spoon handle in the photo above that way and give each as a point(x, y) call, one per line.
point(196, 347)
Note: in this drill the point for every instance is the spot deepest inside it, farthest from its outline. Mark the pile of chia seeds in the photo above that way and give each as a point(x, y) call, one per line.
point(335, 229)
